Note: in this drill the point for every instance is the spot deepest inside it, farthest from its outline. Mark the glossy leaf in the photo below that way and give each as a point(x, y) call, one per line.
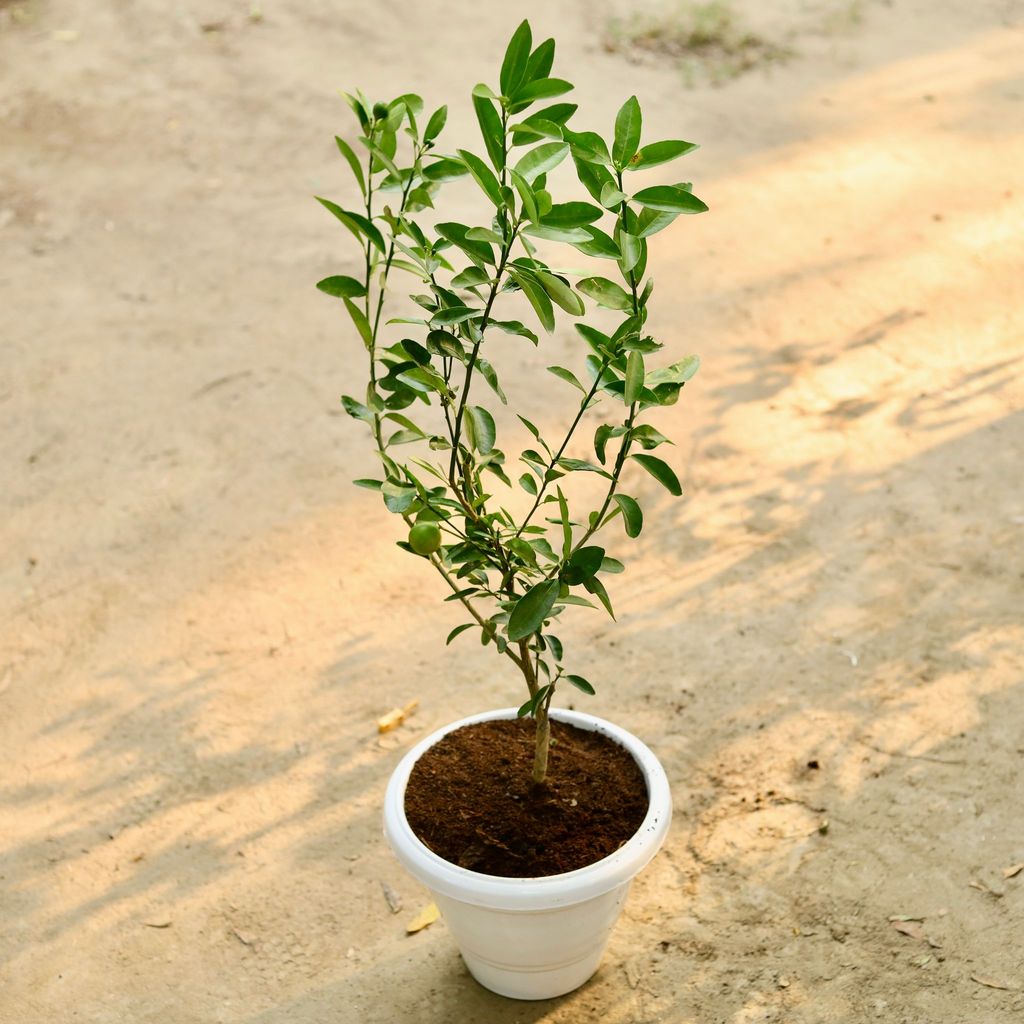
point(567, 375)
point(359, 319)
point(480, 424)
point(341, 287)
point(353, 161)
point(484, 177)
point(355, 222)
point(517, 56)
point(490, 129)
point(627, 132)
point(541, 60)
point(491, 377)
point(436, 124)
point(445, 170)
point(634, 377)
point(560, 293)
point(661, 471)
point(532, 609)
point(658, 153)
point(632, 515)
point(670, 199)
point(605, 293)
point(542, 89)
point(540, 160)
point(457, 630)
point(572, 215)
point(581, 684)
point(632, 249)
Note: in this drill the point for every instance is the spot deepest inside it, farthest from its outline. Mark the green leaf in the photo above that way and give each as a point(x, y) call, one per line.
point(538, 299)
point(516, 328)
point(532, 609)
point(454, 315)
point(517, 56)
point(355, 222)
point(601, 438)
point(539, 64)
point(634, 377)
point(632, 249)
point(632, 515)
point(526, 194)
point(627, 132)
point(581, 684)
point(484, 235)
point(356, 409)
point(661, 471)
point(540, 160)
point(587, 559)
point(436, 124)
point(611, 197)
point(340, 287)
point(491, 129)
point(593, 177)
point(659, 153)
point(398, 497)
point(648, 437)
point(575, 236)
point(529, 426)
point(588, 147)
point(478, 252)
point(457, 630)
point(612, 565)
point(581, 466)
point(531, 706)
point(572, 215)
point(677, 373)
point(359, 319)
point(541, 89)
point(596, 587)
point(353, 161)
point(491, 377)
point(470, 277)
point(600, 245)
point(445, 170)
point(567, 375)
point(484, 177)
point(650, 222)
point(605, 293)
point(561, 293)
point(528, 484)
point(481, 429)
point(670, 199)
point(563, 512)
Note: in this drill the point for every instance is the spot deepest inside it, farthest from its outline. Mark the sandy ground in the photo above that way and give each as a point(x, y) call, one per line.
point(202, 619)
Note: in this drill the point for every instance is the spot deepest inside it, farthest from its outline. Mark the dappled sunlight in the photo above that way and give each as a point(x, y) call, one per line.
point(821, 640)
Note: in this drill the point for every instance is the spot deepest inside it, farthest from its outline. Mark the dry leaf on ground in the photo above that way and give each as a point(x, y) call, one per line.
point(395, 717)
point(427, 916)
point(983, 979)
point(1013, 870)
point(911, 928)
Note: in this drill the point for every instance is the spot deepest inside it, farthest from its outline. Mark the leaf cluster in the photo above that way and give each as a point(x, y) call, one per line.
point(436, 436)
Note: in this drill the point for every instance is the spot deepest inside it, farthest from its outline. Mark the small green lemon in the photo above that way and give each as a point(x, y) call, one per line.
point(425, 538)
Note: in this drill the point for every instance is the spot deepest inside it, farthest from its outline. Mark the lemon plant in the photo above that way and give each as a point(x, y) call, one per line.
point(442, 470)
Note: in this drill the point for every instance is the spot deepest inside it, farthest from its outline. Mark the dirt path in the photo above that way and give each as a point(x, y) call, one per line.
point(822, 641)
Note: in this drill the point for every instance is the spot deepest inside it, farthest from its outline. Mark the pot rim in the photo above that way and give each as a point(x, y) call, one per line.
point(540, 892)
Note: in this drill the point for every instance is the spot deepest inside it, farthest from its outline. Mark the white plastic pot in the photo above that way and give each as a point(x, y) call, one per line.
point(532, 938)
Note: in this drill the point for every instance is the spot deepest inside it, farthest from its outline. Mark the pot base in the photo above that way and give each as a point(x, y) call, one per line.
point(537, 954)
point(535, 983)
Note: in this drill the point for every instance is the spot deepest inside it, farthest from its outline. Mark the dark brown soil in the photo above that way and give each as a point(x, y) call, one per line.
point(470, 798)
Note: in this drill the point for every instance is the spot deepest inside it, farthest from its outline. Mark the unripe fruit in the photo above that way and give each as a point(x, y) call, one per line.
point(425, 538)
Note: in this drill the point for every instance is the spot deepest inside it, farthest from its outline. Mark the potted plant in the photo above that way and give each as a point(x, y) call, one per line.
point(527, 824)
